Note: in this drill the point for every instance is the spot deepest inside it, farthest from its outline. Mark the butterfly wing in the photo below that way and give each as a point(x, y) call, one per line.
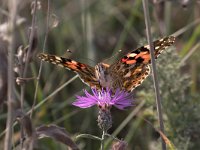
point(85, 72)
point(131, 70)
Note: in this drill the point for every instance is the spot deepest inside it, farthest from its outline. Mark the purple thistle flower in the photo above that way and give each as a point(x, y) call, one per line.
point(104, 99)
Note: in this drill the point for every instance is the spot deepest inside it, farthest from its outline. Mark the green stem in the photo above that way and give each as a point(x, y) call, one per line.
point(102, 140)
point(89, 136)
point(111, 136)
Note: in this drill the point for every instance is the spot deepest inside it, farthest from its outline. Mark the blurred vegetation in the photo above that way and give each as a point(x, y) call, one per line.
point(94, 31)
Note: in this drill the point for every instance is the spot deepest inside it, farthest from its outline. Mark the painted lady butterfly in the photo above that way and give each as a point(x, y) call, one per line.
point(126, 74)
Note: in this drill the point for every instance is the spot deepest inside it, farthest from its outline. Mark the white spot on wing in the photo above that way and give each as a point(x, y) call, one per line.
point(161, 40)
point(132, 55)
point(58, 58)
point(128, 74)
point(147, 46)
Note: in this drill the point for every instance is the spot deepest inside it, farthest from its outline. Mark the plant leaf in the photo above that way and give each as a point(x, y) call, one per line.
point(57, 133)
point(167, 141)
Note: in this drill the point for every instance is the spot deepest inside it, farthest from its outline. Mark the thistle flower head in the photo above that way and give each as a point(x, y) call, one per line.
point(105, 99)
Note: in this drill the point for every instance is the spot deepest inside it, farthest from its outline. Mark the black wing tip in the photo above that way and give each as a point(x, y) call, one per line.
point(41, 55)
point(171, 38)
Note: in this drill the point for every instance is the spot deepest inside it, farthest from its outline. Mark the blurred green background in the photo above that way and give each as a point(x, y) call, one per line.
point(95, 30)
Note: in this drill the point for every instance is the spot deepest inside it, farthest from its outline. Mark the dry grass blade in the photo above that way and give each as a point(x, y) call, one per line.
point(3, 71)
point(57, 133)
point(186, 28)
point(40, 69)
point(88, 136)
point(32, 39)
point(167, 141)
point(45, 100)
point(27, 54)
point(187, 56)
point(12, 5)
point(52, 94)
point(159, 15)
point(163, 136)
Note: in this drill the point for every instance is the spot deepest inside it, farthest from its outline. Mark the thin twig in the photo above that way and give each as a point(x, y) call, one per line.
point(155, 78)
point(102, 140)
point(185, 28)
point(24, 72)
point(28, 52)
point(12, 5)
point(89, 136)
point(187, 56)
point(111, 136)
point(45, 100)
point(40, 69)
point(53, 93)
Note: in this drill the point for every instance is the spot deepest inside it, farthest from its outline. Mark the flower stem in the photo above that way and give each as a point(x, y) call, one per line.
point(89, 136)
point(102, 140)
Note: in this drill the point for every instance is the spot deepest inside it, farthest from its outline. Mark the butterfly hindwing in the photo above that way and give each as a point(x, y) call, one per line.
point(125, 74)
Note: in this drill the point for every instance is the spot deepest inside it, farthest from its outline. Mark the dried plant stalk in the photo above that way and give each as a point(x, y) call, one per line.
point(40, 69)
point(12, 5)
point(3, 71)
point(154, 73)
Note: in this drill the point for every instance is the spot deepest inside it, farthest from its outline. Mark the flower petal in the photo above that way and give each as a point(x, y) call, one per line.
point(84, 102)
point(105, 97)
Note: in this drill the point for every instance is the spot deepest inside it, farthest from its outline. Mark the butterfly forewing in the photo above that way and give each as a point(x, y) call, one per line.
point(142, 54)
point(85, 72)
point(126, 74)
point(133, 68)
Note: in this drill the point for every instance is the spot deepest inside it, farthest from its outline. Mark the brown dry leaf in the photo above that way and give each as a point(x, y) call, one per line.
point(25, 54)
point(38, 6)
point(54, 21)
point(25, 122)
point(167, 141)
point(4, 28)
point(57, 133)
point(120, 145)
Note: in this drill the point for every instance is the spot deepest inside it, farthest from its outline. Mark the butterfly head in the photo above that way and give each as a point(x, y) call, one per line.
point(102, 74)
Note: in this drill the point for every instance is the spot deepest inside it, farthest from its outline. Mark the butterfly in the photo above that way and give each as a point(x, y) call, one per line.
point(126, 73)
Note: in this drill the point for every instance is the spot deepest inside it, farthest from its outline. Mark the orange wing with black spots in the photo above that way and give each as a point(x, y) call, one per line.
point(142, 54)
point(126, 74)
point(131, 70)
point(85, 72)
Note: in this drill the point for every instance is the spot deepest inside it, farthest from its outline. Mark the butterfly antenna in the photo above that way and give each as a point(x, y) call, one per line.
point(68, 51)
point(89, 60)
point(114, 56)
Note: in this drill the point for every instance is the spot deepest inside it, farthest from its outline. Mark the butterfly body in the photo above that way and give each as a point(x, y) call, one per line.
point(125, 74)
